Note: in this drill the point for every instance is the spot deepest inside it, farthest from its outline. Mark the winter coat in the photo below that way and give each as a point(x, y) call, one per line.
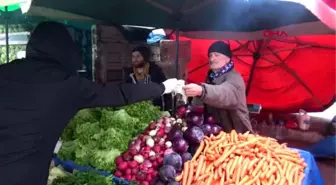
point(225, 98)
point(38, 97)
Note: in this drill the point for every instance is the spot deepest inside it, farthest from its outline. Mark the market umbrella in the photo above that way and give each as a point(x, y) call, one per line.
point(323, 9)
point(282, 74)
point(196, 15)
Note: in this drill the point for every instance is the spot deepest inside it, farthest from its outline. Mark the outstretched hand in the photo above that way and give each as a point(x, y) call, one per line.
point(192, 90)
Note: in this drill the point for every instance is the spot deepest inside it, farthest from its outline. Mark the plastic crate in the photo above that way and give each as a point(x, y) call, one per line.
point(312, 173)
point(70, 166)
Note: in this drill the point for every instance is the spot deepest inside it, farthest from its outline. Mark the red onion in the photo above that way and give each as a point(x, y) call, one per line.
point(147, 164)
point(210, 119)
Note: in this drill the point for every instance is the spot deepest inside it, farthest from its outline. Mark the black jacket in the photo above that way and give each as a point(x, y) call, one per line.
point(40, 94)
point(157, 76)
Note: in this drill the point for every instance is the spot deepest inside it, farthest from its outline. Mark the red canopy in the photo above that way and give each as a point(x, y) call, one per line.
point(289, 73)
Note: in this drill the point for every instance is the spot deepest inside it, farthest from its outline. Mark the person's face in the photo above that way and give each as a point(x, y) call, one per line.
point(137, 59)
point(217, 60)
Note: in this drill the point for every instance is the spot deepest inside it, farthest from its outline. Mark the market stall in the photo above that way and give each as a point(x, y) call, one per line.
point(182, 150)
point(101, 140)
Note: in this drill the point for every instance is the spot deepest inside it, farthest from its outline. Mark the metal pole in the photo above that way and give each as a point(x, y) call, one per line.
point(6, 33)
point(174, 99)
point(177, 53)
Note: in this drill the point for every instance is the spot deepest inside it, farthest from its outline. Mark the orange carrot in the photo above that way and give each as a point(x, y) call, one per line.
point(199, 150)
point(243, 159)
point(185, 173)
point(190, 173)
point(223, 157)
point(179, 178)
point(200, 165)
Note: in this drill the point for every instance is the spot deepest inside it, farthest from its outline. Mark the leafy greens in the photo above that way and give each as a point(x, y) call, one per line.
point(96, 137)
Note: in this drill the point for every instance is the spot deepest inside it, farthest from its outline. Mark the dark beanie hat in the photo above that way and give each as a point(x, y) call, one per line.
point(220, 47)
point(144, 51)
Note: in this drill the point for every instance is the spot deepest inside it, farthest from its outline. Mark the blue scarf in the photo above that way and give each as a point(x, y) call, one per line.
point(226, 68)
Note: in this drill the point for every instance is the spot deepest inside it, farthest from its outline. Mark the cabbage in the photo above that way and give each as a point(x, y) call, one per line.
point(194, 135)
point(173, 183)
point(167, 173)
point(186, 157)
point(174, 160)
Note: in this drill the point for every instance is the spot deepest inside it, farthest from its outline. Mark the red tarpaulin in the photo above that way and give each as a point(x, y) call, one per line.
point(289, 74)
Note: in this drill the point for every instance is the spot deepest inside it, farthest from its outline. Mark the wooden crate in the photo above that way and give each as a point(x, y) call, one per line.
point(112, 53)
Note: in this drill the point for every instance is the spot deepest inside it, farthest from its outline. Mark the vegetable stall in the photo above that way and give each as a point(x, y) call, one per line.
point(139, 144)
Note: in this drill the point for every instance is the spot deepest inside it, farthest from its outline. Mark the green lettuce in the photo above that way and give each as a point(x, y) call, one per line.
point(97, 136)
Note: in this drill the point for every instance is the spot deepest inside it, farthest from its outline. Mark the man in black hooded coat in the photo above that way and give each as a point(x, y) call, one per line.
point(41, 93)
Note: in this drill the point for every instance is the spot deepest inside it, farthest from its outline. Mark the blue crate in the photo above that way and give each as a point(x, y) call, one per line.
point(70, 166)
point(312, 173)
point(324, 148)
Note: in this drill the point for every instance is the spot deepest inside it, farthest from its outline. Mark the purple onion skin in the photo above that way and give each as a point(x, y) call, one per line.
point(210, 119)
point(194, 119)
point(180, 145)
point(207, 129)
point(175, 133)
point(216, 129)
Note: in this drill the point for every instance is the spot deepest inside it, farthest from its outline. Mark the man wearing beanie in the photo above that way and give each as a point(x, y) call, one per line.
point(144, 72)
point(223, 94)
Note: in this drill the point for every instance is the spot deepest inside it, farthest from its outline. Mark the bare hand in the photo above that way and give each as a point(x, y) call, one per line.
point(192, 90)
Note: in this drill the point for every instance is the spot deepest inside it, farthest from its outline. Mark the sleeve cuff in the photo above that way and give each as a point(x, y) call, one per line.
point(204, 92)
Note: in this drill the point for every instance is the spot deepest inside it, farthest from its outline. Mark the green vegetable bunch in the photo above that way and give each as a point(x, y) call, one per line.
point(96, 137)
point(83, 178)
point(145, 111)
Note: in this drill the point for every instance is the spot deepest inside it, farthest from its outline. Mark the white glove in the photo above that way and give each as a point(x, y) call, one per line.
point(170, 85)
point(179, 87)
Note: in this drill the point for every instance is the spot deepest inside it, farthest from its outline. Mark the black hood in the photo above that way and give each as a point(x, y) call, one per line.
point(51, 42)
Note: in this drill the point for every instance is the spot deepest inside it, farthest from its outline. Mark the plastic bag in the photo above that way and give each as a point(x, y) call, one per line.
point(303, 120)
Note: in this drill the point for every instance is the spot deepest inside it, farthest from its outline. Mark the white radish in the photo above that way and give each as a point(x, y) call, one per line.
point(184, 129)
point(150, 142)
point(168, 125)
point(179, 121)
point(151, 153)
point(153, 133)
point(162, 141)
point(168, 144)
point(139, 158)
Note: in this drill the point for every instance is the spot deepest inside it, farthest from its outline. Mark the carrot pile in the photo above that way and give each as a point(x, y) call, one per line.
point(242, 159)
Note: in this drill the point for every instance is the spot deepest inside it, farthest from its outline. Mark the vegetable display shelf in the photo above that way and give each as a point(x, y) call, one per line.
point(70, 166)
point(312, 173)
